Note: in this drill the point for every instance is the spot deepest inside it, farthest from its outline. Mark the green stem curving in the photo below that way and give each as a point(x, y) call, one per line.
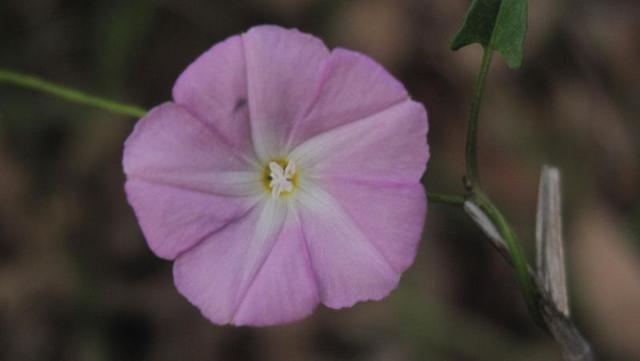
point(471, 156)
point(483, 201)
point(516, 252)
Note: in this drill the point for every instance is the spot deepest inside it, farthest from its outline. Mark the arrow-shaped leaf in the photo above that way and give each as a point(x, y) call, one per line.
point(500, 25)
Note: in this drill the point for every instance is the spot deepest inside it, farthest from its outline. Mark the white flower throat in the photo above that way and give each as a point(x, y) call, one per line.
point(281, 179)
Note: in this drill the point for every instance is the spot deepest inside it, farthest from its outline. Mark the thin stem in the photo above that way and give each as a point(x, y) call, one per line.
point(73, 95)
point(449, 199)
point(515, 250)
point(472, 129)
point(483, 201)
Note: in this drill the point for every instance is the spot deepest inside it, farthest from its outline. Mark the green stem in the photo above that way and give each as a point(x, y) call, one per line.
point(472, 130)
point(449, 199)
point(73, 95)
point(515, 251)
point(483, 201)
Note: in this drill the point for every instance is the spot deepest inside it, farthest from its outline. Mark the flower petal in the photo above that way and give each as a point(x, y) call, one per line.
point(283, 68)
point(180, 179)
point(171, 147)
point(352, 87)
point(174, 220)
point(285, 288)
point(389, 146)
point(214, 89)
point(390, 216)
point(251, 272)
point(348, 266)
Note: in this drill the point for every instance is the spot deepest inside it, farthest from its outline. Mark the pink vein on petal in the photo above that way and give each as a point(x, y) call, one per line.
point(222, 138)
point(355, 269)
point(343, 214)
point(274, 233)
point(355, 149)
point(219, 229)
point(352, 86)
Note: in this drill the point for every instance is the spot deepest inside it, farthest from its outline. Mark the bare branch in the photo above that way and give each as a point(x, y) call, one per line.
point(549, 241)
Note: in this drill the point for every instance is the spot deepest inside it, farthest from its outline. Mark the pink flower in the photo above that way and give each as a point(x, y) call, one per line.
point(282, 175)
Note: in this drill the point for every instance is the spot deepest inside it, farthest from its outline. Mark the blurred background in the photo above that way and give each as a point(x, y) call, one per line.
point(77, 281)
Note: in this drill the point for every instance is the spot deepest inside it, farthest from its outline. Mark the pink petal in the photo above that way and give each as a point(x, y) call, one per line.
point(391, 217)
point(174, 220)
point(283, 68)
point(214, 89)
point(389, 146)
point(252, 272)
point(285, 288)
point(352, 87)
point(348, 266)
point(170, 146)
point(180, 179)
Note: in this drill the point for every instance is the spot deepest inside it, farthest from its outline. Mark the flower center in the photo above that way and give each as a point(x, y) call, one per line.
point(281, 177)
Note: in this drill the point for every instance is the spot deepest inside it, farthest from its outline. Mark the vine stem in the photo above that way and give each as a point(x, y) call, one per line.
point(472, 129)
point(72, 95)
point(449, 199)
point(516, 253)
point(483, 201)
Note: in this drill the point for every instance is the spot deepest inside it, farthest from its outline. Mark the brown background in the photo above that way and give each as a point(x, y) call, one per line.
point(78, 283)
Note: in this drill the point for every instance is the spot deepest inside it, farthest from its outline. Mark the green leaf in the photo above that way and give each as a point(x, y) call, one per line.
point(500, 25)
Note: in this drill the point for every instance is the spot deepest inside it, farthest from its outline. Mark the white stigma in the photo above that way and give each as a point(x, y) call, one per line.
point(281, 179)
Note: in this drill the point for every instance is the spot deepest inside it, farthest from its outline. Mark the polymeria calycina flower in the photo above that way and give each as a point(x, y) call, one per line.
point(282, 175)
